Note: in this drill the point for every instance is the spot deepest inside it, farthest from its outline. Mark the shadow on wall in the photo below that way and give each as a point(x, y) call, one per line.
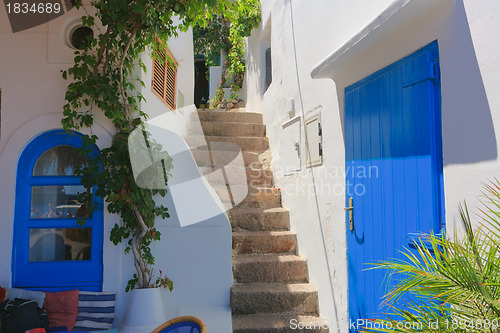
point(467, 126)
point(468, 132)
point(256, 65)
point(253, 67)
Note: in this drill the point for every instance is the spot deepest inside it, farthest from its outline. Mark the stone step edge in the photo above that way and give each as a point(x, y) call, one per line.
point(244, 210)
point(196, 136)
point(247, 167)
point(230, 123)
point(259, 219)
point(267, 257)
point(238, 118)
point(249, 233)
point(273, 287)
point(228, 111)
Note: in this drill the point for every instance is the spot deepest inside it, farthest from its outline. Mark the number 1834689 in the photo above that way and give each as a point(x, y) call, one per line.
point(33, 8)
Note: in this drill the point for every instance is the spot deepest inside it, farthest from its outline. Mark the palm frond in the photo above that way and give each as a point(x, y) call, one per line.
point(448, 280)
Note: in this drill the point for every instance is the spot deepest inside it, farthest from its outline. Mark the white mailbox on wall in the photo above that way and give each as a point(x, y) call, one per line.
point(313, 138)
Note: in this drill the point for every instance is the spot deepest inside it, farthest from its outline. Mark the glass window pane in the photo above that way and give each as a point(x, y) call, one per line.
point(58, 161)
point(58, 202)
point(60, 244)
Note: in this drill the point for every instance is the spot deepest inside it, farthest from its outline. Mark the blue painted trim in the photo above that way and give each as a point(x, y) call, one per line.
point(51, 180)
point(54, 275)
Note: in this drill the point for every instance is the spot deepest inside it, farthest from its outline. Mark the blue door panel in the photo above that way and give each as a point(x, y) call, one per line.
point(393, 170)
point(52, 275)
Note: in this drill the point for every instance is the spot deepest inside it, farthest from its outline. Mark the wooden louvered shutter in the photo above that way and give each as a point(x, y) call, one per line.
point(170, 84)
point(158, 84)
point(164, 83)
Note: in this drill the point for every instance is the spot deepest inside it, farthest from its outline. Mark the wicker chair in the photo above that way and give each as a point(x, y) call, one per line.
point(184, 324)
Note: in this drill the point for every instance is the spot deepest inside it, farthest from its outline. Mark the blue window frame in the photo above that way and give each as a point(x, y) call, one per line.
point(51, 251)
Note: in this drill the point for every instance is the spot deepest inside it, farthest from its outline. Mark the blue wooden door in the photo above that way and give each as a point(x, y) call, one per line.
point(393, 170)
point(51, 251)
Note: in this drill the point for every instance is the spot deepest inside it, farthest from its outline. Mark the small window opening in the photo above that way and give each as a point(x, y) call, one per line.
point(269, 68)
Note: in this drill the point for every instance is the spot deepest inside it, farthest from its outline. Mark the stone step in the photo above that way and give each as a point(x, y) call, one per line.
point(237, 176)
point(217, 158)
point(256, 197)
point(259, 219)
point(238, 116)
point(278, 323)
point(254, 242)
point(256, 268)
point(260, 177)
point(245, 143)
point(253, 298)
point(262, 197)
point(229, 129)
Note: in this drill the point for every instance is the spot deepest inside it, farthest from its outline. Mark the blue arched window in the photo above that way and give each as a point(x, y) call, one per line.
point(51, 251)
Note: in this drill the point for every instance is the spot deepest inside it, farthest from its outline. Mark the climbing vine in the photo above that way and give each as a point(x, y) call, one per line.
point(105, 79)
point(225, 28)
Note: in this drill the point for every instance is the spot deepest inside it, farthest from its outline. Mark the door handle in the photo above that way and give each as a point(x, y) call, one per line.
point(351, 211)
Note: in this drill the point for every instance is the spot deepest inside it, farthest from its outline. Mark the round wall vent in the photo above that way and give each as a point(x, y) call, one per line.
point(79, 36)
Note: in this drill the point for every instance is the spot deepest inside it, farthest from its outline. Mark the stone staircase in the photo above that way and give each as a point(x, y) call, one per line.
point(270, 285)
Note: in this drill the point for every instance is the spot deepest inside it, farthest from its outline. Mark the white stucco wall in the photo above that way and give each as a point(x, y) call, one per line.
point(303, 35)
point(196, 258)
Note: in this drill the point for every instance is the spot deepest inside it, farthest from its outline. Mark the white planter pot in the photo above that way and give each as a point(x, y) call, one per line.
point(145, 311)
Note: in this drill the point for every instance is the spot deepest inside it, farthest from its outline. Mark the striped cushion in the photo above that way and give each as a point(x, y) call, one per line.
point(96, 311)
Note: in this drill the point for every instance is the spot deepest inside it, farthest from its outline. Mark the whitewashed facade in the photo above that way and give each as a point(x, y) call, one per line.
point(321, 47)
